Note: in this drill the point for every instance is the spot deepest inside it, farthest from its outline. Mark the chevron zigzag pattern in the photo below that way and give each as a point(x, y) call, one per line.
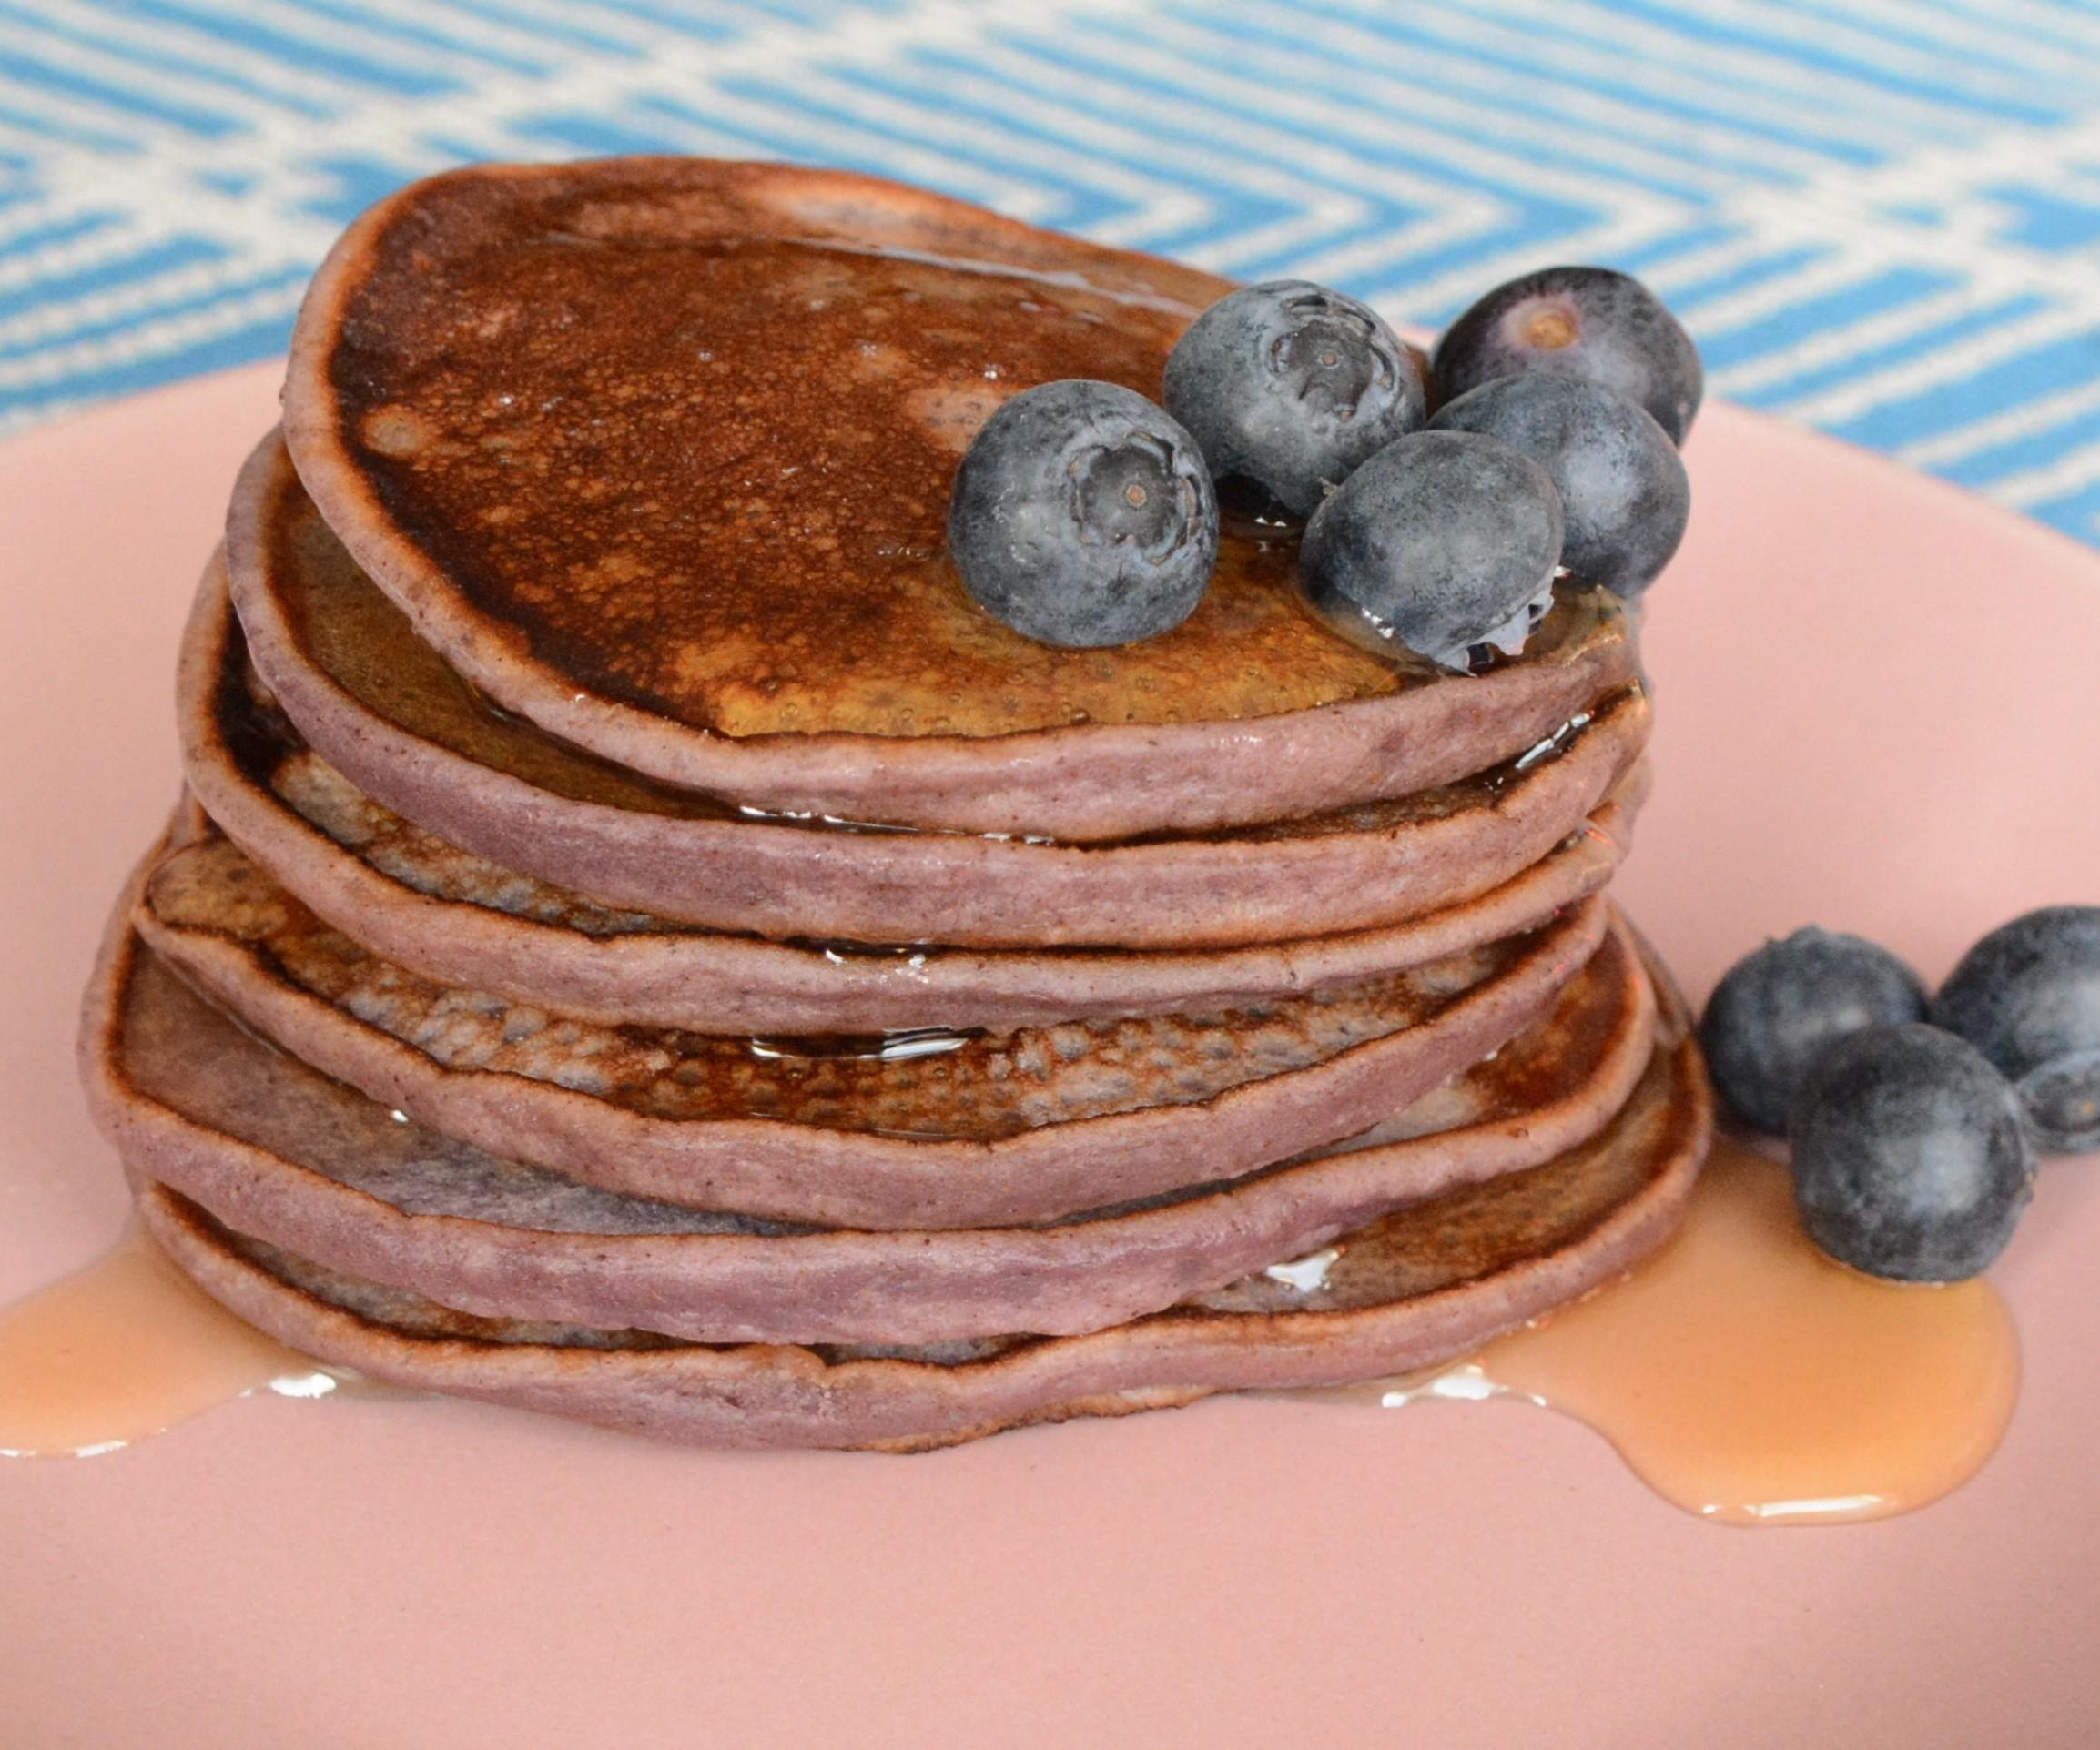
point(1879, 216)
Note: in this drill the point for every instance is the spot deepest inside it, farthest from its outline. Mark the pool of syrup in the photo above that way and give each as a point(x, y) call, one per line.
point(1741, 1374)
point(1746, 1378)
point(125, 1349)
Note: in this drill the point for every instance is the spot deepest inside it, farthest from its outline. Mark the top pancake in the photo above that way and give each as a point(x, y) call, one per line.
point(657, 453)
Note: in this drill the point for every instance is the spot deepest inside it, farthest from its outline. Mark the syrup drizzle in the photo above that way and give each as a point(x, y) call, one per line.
point(879, 1048)
point(1740, 1374)
point(126, 1348)
point(1746, 1378)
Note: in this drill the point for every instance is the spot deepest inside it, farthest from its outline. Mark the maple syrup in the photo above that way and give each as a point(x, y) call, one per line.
point(1740, 1373)
point(1746, 1378)
point(126, 1348)
point(900, 1047)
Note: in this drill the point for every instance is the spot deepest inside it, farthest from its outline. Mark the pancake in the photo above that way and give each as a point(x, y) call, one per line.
point(413, 898)
point(640, 943)
point(1025, 1126)
point(925, 1129)
point(280, 1152)
point(731, 574)
point(1425, 1285)
point(408, 734)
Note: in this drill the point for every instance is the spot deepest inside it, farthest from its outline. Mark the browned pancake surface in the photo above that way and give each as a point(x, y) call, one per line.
point(686, 434)
point(358, 637)
point(656, 454)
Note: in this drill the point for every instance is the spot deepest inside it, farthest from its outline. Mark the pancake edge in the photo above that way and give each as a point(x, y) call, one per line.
point(703, 982)
point(1078, 782)
point(773, 1396)
point(910, 887)
point(785, 1171)
point(841, 1285)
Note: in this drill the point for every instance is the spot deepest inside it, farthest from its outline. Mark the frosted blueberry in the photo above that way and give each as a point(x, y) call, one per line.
point(1909, 1156)
point(2027, 996)
point(1441, 542)
point(1288, 387)
point(1623, 490)
point(1604, 327)
point(1782, 1006)
point(1082, 515)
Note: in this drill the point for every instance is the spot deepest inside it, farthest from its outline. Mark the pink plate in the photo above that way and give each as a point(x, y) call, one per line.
point(1878, 708)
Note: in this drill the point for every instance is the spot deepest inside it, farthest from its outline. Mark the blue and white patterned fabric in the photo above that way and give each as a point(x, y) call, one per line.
point(1880, 217)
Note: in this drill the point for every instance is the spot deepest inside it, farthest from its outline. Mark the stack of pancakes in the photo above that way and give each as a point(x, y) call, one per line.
point(642, 945)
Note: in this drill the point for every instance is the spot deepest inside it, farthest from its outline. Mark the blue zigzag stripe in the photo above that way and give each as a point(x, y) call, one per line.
point(1879, 216)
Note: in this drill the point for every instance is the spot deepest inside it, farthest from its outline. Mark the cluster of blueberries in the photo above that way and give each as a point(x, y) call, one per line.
point(1438, 499)
point(1915, 1119)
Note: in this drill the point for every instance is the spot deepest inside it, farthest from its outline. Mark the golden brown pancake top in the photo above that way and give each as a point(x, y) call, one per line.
point(688, 439)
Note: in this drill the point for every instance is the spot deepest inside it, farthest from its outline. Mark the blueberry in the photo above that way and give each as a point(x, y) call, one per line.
point(1782, 1006)
point(2028, 997)
point(1082, 515)
point(1909, 1156)
point(1289, 387)
point(1442, 540)
point(1604, 327)
point(1622, 485)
